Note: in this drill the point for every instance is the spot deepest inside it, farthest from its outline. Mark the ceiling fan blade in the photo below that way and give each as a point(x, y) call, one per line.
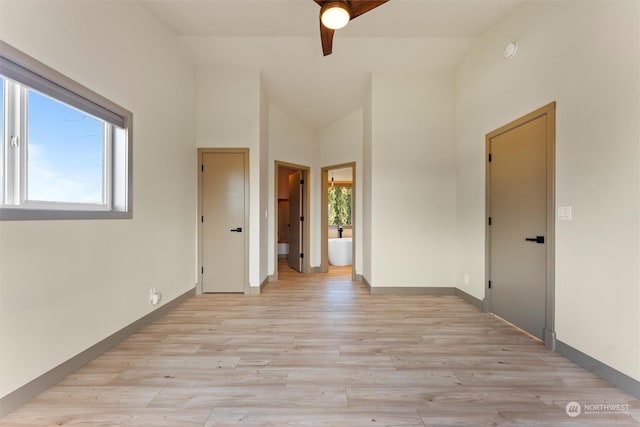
point(358, 7)
point(320, 2)
point(326, 36)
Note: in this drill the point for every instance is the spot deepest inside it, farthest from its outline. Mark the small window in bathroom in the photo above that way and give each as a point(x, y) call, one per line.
point(339, 205)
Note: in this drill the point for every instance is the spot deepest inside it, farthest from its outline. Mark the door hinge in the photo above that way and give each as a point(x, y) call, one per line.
point(202, 168)
point(301, 255)
point(489, 284)
point(489, 156)
point(201, 270)
point(489, 220)
point(201, 219)
point(302, 182)
point(302, 218)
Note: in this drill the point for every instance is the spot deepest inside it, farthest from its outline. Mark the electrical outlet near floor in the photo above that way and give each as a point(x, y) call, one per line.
point(154, 296)
point(466, 278)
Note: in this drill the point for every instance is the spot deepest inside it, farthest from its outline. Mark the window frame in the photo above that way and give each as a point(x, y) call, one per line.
point(26, 71)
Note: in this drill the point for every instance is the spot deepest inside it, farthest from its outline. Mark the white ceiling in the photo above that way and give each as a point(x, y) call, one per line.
point(281, 39)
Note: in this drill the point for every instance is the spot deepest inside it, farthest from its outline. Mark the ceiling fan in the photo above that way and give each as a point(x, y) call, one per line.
point(336, 14)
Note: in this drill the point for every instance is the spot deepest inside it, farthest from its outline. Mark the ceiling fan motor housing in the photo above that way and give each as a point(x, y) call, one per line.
point(335, 14)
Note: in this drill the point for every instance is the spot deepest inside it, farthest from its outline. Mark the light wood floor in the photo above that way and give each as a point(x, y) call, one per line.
point(318, 350)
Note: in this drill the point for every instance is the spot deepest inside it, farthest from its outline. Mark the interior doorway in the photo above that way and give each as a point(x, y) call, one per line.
point(520, 222)
point(338, 217)
point(291, 217)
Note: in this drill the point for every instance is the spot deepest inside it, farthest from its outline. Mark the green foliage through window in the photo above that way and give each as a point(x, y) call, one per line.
point(339, 205)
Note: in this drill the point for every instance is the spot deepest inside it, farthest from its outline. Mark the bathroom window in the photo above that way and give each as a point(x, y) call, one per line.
point(340, 205)
point(65, 150)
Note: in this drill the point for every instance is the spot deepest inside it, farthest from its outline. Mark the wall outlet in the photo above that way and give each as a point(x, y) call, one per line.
point(154, 296)
point(466, 278)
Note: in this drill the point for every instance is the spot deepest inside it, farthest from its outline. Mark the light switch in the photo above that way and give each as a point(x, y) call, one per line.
point(565, 213)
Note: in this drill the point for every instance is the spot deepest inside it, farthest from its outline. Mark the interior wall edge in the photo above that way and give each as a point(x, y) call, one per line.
point(476, 302)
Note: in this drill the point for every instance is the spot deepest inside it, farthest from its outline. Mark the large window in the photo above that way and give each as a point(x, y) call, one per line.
point(340, 205)
point(65, 150)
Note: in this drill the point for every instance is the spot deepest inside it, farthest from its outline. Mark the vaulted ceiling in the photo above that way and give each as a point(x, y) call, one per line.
point(280, 38)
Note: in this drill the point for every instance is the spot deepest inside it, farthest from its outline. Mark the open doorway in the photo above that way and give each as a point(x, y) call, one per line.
point(291, 217)
point(338, 219)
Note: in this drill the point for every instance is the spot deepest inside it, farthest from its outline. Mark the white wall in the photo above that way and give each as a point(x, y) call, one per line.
point(293, 141)
point(65, 285)
point(341, 142)
point(584, 56)
point(367, 193)
point(413, 186)
point(264, 186)
point(228, 116)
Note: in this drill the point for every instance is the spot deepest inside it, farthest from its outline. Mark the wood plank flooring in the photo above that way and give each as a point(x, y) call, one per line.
point(318, 350)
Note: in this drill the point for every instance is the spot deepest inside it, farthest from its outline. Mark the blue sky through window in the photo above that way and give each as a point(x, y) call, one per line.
point(65, 152)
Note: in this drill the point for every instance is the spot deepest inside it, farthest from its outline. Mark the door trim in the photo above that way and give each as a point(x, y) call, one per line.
point(324, 215)
point(306, 246)
point(245, 153)
point(549, 111)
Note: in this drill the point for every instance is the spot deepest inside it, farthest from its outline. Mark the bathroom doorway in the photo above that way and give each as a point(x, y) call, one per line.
point(338, 218)
point(291, 218)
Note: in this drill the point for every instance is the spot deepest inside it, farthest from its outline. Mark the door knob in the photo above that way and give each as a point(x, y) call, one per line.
point(237, 230)
point(537, 239)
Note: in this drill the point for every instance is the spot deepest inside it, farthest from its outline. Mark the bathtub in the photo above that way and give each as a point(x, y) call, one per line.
point(340, 251)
